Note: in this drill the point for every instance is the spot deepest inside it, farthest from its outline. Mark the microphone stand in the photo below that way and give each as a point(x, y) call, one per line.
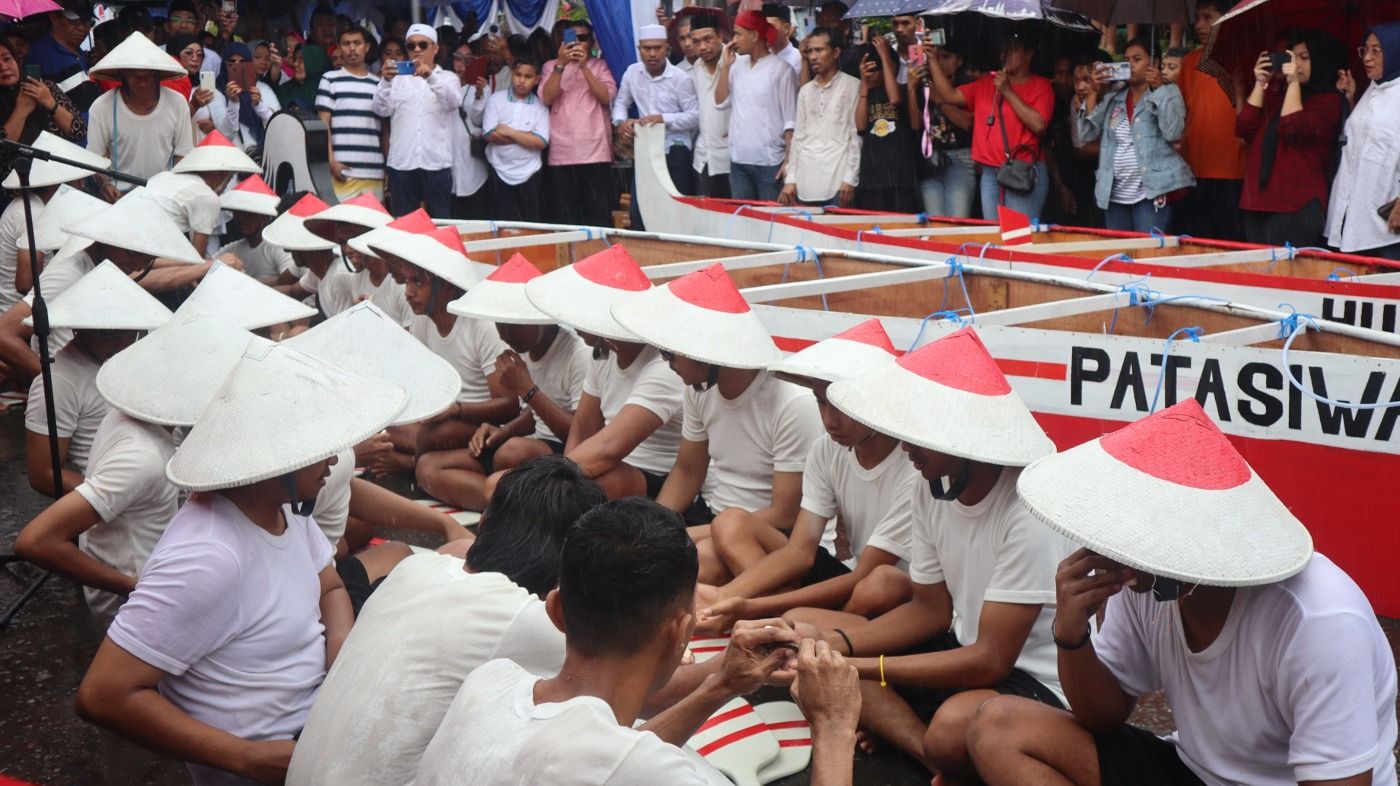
point(24, 156)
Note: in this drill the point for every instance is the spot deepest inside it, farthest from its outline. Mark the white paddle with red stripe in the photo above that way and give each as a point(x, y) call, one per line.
point(737, 742)
point(703, 649)
point(794, 736)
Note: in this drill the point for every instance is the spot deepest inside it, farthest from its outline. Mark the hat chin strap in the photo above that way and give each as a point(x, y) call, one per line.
point(954, 489)
point(711, 379)
point(145, 270)
point(299, 507)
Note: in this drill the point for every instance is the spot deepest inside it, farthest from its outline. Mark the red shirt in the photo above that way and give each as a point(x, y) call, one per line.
point(987, 146)
point(1307, 140)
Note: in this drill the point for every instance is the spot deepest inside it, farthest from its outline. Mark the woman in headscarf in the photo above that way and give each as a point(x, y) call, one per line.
point(190, 52)
point(241, 111)
point(308, 63)
point(1369, 176)
point(1290, 124)
point(30, 106)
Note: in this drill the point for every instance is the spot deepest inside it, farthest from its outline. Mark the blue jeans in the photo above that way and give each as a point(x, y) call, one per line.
point(754, 183)
point(952, 191)
point(430, 188)
point(1141, 217)
point(1029, 203)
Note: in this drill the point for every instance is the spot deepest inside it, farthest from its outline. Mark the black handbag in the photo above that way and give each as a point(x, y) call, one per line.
point(1013, 175)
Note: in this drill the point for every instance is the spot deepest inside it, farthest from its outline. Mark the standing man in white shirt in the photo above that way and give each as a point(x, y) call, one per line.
point(661, 93)
point(762, 92)
point(422, 105)
point(780, 17)
point(824, 163)
point(711, 159)
point(1270, 656)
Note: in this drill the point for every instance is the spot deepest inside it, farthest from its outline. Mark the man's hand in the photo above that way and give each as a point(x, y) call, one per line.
point(1394, 223)
point(424, 70)
point(730, 53)
point(827, 688)
point(651, 120)
point(374, 447)
point(757, 653)
point(788, 196)
point(627, 129)
point(110, 192)
point(337, 170)
point(1263, 69)
point(1346, 85)
point(846, 196)
point(1080, 593)
point(388, 70)
point(513, 374)
point(881, 45)
point(488, 435)
point(267, 761)
point(720, 616)
point(200, 98)
point(918, 74)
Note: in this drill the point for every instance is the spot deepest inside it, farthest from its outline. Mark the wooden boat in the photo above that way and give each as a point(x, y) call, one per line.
point(1087, 357)
point(1355, 290)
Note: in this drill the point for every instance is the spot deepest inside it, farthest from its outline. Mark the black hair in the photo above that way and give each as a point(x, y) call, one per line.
point(1176, 51)
point(835, 5)
point(355, 30)
point(627, 566)
point(832, 35)
point(584, 23)
point(777, 10)
point(181, 5)
point(526, 61)
point(525, 522)
point(1140, 43)
point(1219, 5)
point(322, 10)
point(1327, 54)
point(109, 34)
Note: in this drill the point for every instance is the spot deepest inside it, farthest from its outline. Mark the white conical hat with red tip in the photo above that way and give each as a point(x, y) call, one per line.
point(703, 317)
point(581, 295)
point(949, 396)
point(136, 53)
point(850, 353)
point(216, 154)
point(417, 222)
point(1169, 495)
point(289, 231)
point(439, 252)
point(240, 299)
point(364, 211)
point(500, 297)
point(253, 195)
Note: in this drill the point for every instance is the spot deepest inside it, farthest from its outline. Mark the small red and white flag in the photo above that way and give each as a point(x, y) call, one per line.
point(1015, 227)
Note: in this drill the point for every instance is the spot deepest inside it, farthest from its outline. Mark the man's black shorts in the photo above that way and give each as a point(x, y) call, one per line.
point(697, 513)
point(926, 701)
point(1131, 756)
point(824, 567)
point(356, 581)
point(487, 459)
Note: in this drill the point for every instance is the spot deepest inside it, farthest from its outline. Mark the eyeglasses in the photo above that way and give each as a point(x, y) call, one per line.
point(414, 46)
point(584, 38)
point(192, 52)
point(1362, 51)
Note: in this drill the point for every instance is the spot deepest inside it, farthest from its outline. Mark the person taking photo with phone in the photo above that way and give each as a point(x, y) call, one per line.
point(30, 105)
point(242, 103)
point(579, 90)
point(421, 101)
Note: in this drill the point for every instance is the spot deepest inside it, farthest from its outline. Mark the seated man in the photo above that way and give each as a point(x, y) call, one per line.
point(317, 257)
point(747, 430)
point(1272, 661)
point(189, 193)
point(438, 272)
point(216, 657)
point(434, 620)
point(100, 533)
point(544, 369)
point(253, 205)
point(509, 726)
point(627, 427)
point(983, 568)
point(855, 478)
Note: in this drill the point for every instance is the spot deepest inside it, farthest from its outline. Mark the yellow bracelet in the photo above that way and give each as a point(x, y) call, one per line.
point(883, 684)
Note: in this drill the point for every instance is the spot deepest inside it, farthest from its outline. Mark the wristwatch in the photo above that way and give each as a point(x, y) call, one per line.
point(558, 69)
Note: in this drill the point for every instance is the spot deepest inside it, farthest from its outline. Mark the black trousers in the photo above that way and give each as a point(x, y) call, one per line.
point(580, 194)
point(522, 202)
point(714, 186)
point(1212, 210)
point(430, 188)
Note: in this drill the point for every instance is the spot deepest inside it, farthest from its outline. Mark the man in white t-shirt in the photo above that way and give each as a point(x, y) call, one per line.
point(854, 520)
point(544, 368)
point(272, 265)
point(1273, 664)
point(509, 726)
point(434, 620)
point(745, 433)
point(983, 568)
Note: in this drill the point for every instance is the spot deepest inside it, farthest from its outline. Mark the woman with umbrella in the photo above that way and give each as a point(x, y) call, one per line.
point(1290, 124)
point(1369, 176)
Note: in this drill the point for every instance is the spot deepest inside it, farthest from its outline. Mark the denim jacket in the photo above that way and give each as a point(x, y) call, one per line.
point(1158, 121)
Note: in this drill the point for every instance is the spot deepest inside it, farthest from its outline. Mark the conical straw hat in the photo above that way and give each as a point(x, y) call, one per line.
point(278, 411)
point(363, 211)
point(136, 53)
point(240, 299)
point(289, 230)
point(136, 223)
point(44, 173)
point(581, 295)
point(703, 317)
point(69, 206)
point(371, 342)
point(251, 196)
point(415, 223)
point(105, 298)
point(1171, 496)
point(849, 353)
point(171, 375)
point(500, 297)
point(216, 154)
point(948, 396)
point(439, 252)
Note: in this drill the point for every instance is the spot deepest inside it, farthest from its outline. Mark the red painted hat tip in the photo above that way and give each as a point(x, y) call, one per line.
point(417, 222)
point(215, 139)
point(307, 206)
point(367, 201)
point(960, 361)
point(711, 289)
point(871, 332)
point(614, 268)
point(1180, 445)
point(449, 237)
point(255, 185)
point(516, 270)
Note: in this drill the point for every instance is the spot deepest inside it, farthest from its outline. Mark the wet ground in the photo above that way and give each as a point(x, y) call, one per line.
point(44, 653)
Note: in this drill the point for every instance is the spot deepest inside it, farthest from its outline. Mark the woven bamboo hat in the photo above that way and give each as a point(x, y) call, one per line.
point(105, 298)
point(136, 223)
point(362, 213)
point(44, 173)
point(240, 299)
point(136, 53)
point(69, 206)
point(581, 295)
point(500, 297)
point(849, 353)
point(439, 252)
point(253, 195)
point(215, 153)
point(703, 317)
point(289, 229)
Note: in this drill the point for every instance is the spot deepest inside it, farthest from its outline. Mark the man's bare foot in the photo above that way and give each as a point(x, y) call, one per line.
point(867, 742)
point(392, 462)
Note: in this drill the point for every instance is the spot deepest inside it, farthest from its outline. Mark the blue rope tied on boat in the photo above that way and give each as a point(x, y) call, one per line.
point(1296, 324)
point(495, 230)
point(729, 225)
point(773, 216)
point(803, 252)
point(1193, 333)
point(1138, 295)
point(955, 315)
point(1160, 235)
point(921, 218)
point(1119, 257)
point(1336, 275)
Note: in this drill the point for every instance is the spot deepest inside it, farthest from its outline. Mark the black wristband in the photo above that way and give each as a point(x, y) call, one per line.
point(1071, 646)
point(525, 399)
point(850, 648)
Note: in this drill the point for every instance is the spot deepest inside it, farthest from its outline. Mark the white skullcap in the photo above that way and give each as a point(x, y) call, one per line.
point(651, 33)
point(423, 30)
